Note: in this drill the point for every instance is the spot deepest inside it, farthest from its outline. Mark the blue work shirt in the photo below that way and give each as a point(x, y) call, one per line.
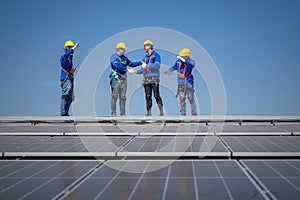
point(66, 62)
point(120, 63)
point(186, 66)
point(153, 65)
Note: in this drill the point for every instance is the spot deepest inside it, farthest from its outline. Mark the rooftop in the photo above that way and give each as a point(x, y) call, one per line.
point(207, 157)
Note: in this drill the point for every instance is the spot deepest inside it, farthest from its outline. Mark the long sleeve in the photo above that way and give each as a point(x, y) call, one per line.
point(116, 64)
point(134, 64)
point(68, 53)
point(156, 64)
point(140, 71)
point(174, 67)
point(190, 63)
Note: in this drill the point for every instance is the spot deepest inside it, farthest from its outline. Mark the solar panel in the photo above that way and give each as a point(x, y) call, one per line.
point(54, 129)
point(263, 145)
point(280, 177)
point(149, 158)
point(179, 180)
point(60, 146)
point(257, 129)
point(174, 146)
point(34, 179)
point(171, 129)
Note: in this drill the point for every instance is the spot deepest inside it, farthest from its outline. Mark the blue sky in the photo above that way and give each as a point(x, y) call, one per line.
point(255, 44)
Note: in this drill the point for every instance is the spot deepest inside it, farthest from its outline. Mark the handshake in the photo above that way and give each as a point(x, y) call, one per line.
point(131, 71)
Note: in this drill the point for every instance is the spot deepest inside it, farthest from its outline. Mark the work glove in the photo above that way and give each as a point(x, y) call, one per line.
point(181, 58)
point(76, 46)
point(144, 65)
point(168, 72)
point(131, 71)
point(62, 84)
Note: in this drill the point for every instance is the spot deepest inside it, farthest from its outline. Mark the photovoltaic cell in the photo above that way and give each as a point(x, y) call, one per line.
point(280, 177)
point(36, 179)
point(208, 180)
point(263, 145)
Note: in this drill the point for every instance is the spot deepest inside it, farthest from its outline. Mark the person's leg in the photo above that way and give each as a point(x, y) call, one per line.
point(68, 104)
point(66, 98)
point(114, 96)
point(191, 98)
point(158, 99)
point(148, 96)
point(62, 106)
point(122, 96)
point(182, 96)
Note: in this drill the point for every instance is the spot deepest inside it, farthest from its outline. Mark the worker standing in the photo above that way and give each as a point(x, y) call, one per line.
point(184, 66)
point(150, 70)
point(118, 77)
point(67, 77)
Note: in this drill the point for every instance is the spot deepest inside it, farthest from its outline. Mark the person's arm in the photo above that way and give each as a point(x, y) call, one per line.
point(132, 64)
point(190, 63)
point(140, 71)
point(68, 53)
point(171, 69)
point(174, 67)
point(156, 64)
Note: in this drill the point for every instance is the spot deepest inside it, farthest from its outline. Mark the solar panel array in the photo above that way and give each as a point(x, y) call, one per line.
point(113, 161)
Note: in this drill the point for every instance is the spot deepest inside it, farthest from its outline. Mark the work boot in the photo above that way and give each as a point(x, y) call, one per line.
point(161, 111)
point(148, 113)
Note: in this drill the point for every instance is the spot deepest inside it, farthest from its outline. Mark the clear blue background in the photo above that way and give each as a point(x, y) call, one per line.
point(255, 44)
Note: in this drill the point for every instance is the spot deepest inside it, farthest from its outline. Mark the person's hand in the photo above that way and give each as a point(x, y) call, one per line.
point(62, 84)
point(76, 46)
point(181, 58)
point(131, 71)
point(168, 72)
point(144, 65)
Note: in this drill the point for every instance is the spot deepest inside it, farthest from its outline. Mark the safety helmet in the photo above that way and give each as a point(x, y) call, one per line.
point(69, 43)
point(185, 52)
point(147, 42)
point(121, 45)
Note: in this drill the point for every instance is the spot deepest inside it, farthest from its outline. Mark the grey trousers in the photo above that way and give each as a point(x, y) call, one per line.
point(118, 91)
point(187, 91)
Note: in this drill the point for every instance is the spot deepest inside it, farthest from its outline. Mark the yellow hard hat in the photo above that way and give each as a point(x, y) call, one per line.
point(121, 45)
point(147, 42)
point(185, 52)
point(69, 43)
